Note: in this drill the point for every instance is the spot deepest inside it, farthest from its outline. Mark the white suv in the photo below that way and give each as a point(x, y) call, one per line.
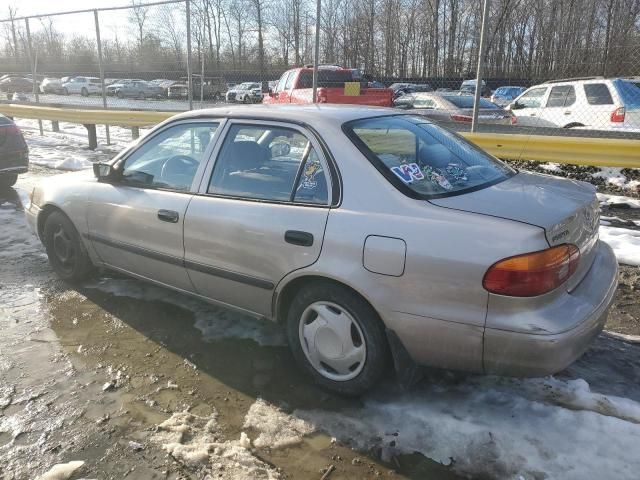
point(595, 102)
point(85, 86)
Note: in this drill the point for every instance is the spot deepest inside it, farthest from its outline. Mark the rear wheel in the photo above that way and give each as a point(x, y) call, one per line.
point(338, 338)
point(8, 180)
point(65, 250)
point(246, 99)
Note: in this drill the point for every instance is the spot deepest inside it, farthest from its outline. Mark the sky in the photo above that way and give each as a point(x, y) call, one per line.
point(112, 23)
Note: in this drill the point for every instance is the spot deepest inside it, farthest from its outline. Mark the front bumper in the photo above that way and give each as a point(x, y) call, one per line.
point(541, 354)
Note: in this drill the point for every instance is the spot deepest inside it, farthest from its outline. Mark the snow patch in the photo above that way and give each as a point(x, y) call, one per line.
point(551, 167)
point(606, 199)
point(214, 323)
point(277, 429)
point(196, 442)
point(498, 428)
point(612, 175)
point(625, 243)
point(62, 471)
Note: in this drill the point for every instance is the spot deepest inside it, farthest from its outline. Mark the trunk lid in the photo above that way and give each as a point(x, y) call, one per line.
point(567, 210)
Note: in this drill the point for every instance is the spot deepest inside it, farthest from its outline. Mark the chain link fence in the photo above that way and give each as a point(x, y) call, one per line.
point(550, 66)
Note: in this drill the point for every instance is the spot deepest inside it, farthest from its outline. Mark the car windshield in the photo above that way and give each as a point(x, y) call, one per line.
point(466, 101)
point(629, 93)
point(508, 91)
point(422, 159)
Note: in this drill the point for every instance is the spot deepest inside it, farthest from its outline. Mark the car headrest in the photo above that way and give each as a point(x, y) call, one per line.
point(246, 155)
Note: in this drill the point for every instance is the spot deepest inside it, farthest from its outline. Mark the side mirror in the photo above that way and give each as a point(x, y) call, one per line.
point(516, 106)
point(103, 171)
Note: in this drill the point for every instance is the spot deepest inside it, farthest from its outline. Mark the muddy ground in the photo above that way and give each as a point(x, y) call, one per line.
point(91, 372)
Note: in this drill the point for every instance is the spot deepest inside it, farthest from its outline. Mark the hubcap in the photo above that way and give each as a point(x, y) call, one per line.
point(332, 341)
point(63, 248)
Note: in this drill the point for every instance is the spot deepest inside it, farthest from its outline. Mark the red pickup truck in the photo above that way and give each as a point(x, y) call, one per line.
point(295, 86)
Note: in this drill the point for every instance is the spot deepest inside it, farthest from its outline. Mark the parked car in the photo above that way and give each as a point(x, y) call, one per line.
point(85, 86)
point(595, 102)
point(469, 87)
point(247, 92)
point(16, 85)
point(400, 89)
point(295, 86)
point(447, 107)
point(411, 240)
point(212, 88)
point(138, 89)
point(14, 153)
point(113, 87)
point(503, 96)
point(51, 85)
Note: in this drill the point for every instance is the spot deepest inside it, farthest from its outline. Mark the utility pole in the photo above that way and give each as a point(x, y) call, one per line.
point(480, 71)
point(316, 54)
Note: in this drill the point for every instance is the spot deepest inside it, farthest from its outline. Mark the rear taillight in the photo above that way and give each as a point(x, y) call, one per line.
point(461, 118)
point(617, 116)
point(534, 273)
point(514, 120)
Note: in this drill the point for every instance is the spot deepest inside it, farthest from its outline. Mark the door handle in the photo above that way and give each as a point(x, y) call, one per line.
point(532, 114)
point(295, 237)
point(568, 112)
point(168, 216)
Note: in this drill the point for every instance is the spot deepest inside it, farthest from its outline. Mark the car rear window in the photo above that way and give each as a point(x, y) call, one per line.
point(326, 78)
point(466, 101)
point(598, 94)
point(629, 93)
point(424, 160)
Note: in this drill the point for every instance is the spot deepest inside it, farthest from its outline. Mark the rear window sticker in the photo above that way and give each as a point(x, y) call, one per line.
point(408, 173)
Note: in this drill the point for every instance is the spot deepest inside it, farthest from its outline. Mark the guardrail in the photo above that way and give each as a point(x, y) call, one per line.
point(601, 152)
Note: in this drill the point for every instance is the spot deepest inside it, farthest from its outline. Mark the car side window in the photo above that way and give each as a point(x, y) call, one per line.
point(533, 98)
point(171, 158)
point(268, 163)
point(290, 80)
point(598, 94)
point(283, 82)
point(561, 96)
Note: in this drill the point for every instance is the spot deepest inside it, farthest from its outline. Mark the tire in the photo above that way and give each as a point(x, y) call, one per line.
point(67, 255)
point(84, 92)
point(120, 95)
point(246, 99)
point(65, 91)
point(141, 95)
point(340, 311)
point(8, 180)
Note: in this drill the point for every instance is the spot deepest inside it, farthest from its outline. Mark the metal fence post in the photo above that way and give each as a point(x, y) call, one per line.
point(189, 79)
point(480, 71)
point(316, 54)
point(33, 70)
point(101, 68)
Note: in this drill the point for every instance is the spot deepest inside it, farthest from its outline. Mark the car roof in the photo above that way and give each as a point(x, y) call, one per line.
point(312, 114)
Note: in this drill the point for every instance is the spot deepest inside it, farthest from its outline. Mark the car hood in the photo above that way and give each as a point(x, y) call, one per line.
point(567, 210)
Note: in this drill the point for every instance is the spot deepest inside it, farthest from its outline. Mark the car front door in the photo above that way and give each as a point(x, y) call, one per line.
point(135, 222)
point(260, 213)
point(528, 106)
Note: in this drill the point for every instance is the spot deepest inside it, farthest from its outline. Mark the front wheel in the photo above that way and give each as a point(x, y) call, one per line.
point(338, 338)
point(65, 250)
point(8, 180)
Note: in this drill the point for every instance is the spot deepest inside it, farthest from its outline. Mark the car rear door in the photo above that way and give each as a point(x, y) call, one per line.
point(135, 223)
point(561, 109)
point(260, 213)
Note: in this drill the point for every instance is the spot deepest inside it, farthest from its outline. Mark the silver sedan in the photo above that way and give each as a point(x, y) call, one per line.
point(376, 237)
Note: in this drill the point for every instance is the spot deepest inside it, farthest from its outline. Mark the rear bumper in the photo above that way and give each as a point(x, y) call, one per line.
point(535, 355)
